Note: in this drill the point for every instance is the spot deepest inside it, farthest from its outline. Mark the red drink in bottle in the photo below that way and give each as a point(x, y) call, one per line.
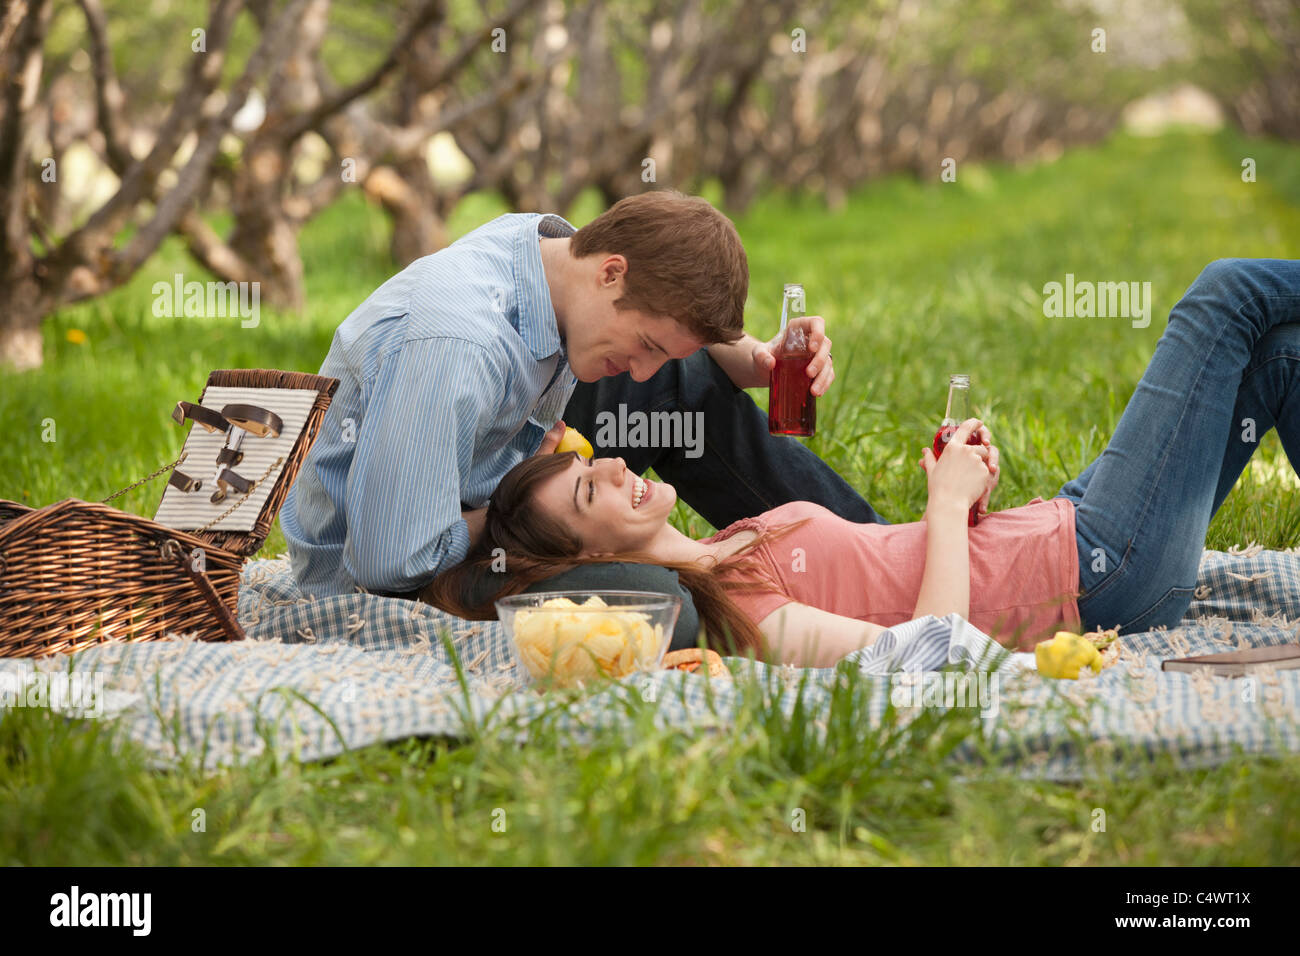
point(958, 412)
point(791, 405)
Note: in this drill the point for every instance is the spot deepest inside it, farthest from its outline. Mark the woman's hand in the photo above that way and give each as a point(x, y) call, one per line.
point(961, 475)
point(994, 465)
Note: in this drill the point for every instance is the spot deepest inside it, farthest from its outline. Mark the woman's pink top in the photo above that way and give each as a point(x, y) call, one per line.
point(1024, 567)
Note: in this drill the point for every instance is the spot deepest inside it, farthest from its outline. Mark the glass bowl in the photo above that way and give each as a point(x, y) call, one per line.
point(565, 638)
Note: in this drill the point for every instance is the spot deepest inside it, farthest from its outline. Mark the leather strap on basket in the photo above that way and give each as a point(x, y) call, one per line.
point(171, 550)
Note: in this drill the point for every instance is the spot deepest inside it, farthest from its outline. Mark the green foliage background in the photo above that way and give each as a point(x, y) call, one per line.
point(915, 280)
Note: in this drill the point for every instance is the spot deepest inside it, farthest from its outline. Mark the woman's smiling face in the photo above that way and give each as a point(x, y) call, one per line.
point(611, 509)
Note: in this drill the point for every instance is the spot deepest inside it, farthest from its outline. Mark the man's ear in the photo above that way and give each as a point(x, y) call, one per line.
point(611, 269)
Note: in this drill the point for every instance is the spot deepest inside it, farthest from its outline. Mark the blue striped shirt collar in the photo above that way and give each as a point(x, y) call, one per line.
point(537, 323)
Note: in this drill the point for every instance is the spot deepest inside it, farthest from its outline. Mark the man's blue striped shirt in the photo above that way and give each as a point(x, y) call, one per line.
point(450, 373)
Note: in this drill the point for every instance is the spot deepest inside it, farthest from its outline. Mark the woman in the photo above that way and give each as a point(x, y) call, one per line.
point(1119, 546)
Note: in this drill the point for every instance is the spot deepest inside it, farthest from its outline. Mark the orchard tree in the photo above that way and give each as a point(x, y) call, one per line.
point(42, 271)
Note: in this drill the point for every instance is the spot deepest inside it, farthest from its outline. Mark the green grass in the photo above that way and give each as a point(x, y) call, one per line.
point(915, 280)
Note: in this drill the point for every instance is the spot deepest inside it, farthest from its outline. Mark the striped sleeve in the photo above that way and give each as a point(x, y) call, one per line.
point(404, 487)
point(929, 643)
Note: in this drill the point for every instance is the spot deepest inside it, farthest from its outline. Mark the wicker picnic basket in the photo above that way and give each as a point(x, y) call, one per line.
point(78, 573)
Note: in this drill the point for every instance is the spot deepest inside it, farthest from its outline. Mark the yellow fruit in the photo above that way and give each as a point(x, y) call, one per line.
point(573, 440)
point(1065, 654)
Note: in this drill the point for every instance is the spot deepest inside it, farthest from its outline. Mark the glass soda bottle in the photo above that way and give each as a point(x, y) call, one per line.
point(791, 405)
point(958, 411)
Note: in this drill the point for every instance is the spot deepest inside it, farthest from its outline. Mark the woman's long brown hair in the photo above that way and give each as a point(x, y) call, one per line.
point(538, 546)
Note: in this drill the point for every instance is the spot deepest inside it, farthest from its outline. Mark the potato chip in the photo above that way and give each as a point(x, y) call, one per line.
point(627, 660)
point(576, 646)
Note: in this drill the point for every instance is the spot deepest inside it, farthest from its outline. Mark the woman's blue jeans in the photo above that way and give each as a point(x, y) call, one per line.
point(1225, 371)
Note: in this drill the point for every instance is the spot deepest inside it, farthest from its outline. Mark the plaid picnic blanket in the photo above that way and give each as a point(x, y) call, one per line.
point(317, 677)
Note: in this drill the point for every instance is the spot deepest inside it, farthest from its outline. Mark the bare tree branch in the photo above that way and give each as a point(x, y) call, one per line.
point(465, 53)
point(429, 13)
point(108, 92)
point(23, 61)
point(14, 14)
point(140, 178)
point(404, 141)
point(195, 171)
point(211, 250)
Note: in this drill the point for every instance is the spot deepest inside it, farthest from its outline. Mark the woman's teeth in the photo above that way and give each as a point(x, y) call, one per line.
point(638, 490)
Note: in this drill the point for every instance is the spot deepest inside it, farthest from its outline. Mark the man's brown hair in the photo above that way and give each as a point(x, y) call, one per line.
point(684, 261)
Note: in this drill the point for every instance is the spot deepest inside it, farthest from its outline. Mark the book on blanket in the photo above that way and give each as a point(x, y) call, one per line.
point(1238, 663)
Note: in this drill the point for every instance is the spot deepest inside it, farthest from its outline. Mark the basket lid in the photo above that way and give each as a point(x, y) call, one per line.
point(267, 456)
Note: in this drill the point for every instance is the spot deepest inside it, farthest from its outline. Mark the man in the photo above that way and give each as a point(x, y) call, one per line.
point(470, 359)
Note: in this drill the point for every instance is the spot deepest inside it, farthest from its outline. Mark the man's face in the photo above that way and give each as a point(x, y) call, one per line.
point(602, 340)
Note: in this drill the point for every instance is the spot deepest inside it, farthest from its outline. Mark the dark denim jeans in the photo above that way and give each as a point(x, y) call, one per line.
point(742, 470)
point(1229, 357)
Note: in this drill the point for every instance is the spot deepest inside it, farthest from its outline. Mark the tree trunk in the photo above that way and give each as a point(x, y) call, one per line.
point(407, 193)
point(21, 309)
point(23, 302)
point(264, 236)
